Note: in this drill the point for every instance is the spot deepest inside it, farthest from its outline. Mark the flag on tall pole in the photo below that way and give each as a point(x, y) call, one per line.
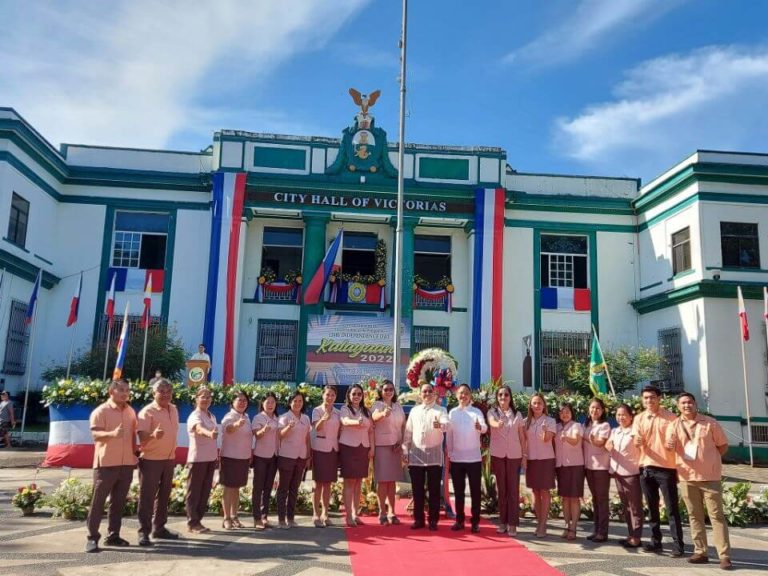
point(743, 316)
point(331, 263)
point(598, 381)
point(33, 298)
point(147, 314)
point(74, 306)
point(111, 303)
point(122, 347)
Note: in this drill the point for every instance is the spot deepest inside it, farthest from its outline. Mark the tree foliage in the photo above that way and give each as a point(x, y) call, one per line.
point(165, 352)
point(627, 367)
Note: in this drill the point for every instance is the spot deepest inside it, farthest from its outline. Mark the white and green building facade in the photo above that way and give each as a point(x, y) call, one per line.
point(654, 265)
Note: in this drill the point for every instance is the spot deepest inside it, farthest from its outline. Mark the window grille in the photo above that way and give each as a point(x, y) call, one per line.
point(556, 345)
point(156, 324)
point(421, 303)
point(760, 433)
point(670, 350)
point(276, 350)
point(429, 337)
point(15, 361)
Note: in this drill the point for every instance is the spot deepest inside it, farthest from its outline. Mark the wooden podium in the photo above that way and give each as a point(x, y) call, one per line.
point(197, 372)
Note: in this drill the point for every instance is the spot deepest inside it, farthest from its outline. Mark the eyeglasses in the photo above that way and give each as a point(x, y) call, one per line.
point(355, 394)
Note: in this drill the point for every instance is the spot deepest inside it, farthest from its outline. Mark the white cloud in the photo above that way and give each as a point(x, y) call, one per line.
point(668, 107)
point(136, 72)
point(591, 22)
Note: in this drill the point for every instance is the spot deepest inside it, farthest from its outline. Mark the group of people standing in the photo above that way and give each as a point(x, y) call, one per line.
point(646, 455)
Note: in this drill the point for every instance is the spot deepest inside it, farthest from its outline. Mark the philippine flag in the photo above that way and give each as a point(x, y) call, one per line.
point(742, 316)
point(146, 316)
point(74, 306)
point(111, 303)
point(122, 347)
point(33, 299)
point(330, 264)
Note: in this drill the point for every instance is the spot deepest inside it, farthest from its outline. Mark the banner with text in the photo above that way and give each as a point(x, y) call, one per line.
point(343, 350)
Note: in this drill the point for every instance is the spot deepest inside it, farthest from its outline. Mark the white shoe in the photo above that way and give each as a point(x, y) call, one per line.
point(501, 529)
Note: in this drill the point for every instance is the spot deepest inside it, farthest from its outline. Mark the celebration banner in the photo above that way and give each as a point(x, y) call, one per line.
point(343, 350)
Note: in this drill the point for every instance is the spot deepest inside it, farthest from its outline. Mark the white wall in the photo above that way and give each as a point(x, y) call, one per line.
point(517, 305)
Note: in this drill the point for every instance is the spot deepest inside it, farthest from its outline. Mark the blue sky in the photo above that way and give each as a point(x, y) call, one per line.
point(598, 87)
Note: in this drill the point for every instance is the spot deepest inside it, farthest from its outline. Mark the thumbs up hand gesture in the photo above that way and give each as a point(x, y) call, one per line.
point(118, 432)
point(158, 433)
point(477, 425)
point(436, 423)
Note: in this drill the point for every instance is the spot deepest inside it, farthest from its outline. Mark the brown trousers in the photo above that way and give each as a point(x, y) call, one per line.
point(291, 472)
point(507, 472)
point(631, 497)
point(155, 483)
point(113, 482)
point(264, 471)
point(599, 482)
point(199, 484)
point(696, 495)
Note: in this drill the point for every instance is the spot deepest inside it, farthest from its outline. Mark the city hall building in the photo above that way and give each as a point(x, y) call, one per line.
point(505, 269)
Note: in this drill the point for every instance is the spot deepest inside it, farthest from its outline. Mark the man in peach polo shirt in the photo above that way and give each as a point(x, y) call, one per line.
point(650, 431)
point(113, 427)
point(699, 443)
point(158, 429)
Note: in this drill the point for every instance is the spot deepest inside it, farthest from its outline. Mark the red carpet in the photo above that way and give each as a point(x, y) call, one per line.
point(377, 550)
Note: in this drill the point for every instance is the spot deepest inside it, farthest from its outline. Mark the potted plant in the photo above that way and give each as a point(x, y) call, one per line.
point(26, 497)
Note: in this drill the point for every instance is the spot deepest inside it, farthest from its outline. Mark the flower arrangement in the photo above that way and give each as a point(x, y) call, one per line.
point(93, 392)
point(433, 365)
point(71, 499)
point(378, 277)
point(443, 283)
point(26, 497)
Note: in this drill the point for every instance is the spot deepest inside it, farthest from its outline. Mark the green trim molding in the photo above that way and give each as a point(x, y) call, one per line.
point(280, 158)
point(26, 270)
point(443, 168)
point(569, 227)
point(569, 203)
point(701, 289)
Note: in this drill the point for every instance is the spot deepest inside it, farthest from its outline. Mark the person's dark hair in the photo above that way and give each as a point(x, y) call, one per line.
point(268, 395)
point(380, 390)
point(293, 395)
point(469, 389)
point(685, 395)
point(626, 407)
point(529, 418)
point(508, 390)
point(119, 382)
point(652, 389)
point(348, 400)
point(569, 406)
point(236, 396)
point(604, 416)
point(332, 388)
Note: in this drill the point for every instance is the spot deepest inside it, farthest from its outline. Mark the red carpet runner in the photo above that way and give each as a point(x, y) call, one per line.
point(377, 550)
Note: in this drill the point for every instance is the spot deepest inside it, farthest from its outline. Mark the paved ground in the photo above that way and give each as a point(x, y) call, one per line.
point(43, 546)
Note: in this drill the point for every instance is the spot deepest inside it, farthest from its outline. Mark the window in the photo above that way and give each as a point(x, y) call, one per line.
point(671, 352)
point(15, 361)
point(432, 257)
point(17, 223)
point(135, 330)
point(282, 250)
point(276, 350)
point(681, 251)
point(140, 240)
point(563, 261)
point(556, 345)
point(740, 245)
point(429, 337)
point(359, 253)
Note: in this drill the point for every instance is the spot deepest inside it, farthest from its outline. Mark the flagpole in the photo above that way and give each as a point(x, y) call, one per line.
point(746, 386)
point(106, 351)
point(29, 372)
point(71, 348)
point(607, 372)
point(398, 299)
point(144, 353)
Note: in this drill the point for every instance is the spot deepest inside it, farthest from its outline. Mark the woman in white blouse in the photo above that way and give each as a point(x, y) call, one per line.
point(389, 423)
point(355, 450)
point(326, 421)
point(507, 449)
point(265, 430)
point(465, 426)
point(626, 473)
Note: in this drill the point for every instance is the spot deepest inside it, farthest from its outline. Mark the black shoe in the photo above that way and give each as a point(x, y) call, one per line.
point(165, 534)
point(91, 546)
point(677, 553)
point(698, 559)
point(144, 540)
point(417, 525)
point(591, 537)
point(654, 548)
point(116, 541)
point(475, 528)
point(433, 526)
point(456, 526)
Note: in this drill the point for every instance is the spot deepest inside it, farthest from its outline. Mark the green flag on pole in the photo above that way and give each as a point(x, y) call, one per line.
point(598, 381)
